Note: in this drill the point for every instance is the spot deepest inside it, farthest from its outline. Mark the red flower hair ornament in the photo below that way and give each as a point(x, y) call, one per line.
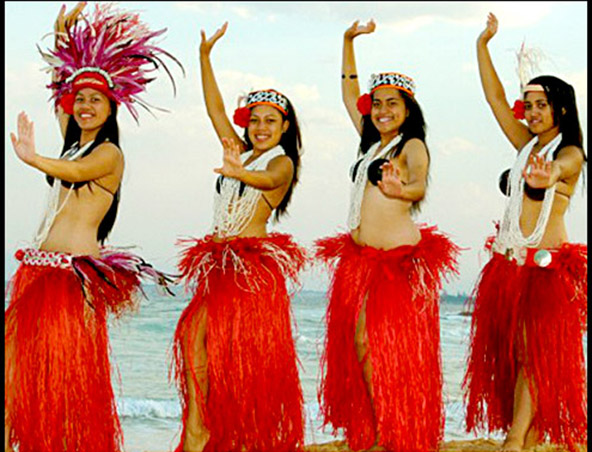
point(364, 104)
point(270, 97)
point(518, 109)
point(241, 116)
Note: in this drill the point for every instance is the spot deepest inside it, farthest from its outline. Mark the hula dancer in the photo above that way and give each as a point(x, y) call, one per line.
point(382, 380)
point(58, 393)
point(235, 359)
point(526, 372)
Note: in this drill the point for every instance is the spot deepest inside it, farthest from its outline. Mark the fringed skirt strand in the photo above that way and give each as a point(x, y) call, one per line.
point(58, 393)
point(531, 318)
point(254, 399)
point(401, 288)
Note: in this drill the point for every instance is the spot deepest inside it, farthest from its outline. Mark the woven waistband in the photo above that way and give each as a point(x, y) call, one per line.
point(32, 256)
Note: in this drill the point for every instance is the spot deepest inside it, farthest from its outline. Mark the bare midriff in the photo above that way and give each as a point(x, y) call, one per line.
point(555, 233)
point(74, 230)
point(385, 223)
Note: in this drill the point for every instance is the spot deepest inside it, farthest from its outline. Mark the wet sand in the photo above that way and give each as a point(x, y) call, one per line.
point(477, 445)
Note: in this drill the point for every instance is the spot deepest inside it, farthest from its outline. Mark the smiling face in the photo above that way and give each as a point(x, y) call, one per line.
point(91, 109)
point(266, 126)
point(538, 113)
point(388, 111)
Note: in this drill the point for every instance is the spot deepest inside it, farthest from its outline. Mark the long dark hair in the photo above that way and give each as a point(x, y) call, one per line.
point(108, 132)
point(291, 142)
point(414, 126)
point(562, 99)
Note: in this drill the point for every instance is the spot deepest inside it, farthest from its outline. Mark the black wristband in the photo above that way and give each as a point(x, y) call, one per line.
point(351, 76)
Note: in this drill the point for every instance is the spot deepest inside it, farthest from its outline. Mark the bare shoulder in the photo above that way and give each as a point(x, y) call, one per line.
point(414, 148)
point(571, 152)
point(282, 167)
point(415, 144)
point(570, 160)
point(281, 161)
point(109, 150)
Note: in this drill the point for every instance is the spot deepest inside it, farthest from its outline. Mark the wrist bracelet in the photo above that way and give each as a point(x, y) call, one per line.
point(351, 76)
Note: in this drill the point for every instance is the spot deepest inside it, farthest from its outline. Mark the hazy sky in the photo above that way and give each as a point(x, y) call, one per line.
point(296, 47)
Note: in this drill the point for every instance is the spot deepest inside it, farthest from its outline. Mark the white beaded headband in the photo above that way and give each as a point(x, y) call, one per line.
point(268, 97)
point(392, 80)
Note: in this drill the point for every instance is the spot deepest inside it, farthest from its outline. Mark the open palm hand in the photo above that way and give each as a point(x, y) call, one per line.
point(391, 184)
point(232, 166)
point(24, 142)
point(537, 173)
point(356, 29)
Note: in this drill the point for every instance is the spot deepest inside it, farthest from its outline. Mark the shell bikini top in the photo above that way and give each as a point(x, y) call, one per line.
point(367, 168)
point(234, 201)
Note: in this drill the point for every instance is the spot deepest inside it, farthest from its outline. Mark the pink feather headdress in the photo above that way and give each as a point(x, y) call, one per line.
point(112, 51)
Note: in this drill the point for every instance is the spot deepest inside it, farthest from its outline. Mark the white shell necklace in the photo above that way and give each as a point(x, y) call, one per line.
point(233, 210)
point(510, 235)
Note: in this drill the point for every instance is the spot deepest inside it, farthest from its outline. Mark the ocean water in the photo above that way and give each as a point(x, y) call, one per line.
point(148, 402)
point(149, 405)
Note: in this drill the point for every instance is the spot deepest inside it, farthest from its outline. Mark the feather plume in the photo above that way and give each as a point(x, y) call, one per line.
point(528, 63)
point(118, 43)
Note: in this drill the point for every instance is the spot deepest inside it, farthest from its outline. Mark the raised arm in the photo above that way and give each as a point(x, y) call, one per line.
point(103, 161)
point(63, 22)
point(350, 87)
point(515, 131)
point(212, 96)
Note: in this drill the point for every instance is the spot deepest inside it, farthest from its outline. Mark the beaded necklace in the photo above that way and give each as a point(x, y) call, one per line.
point(510, 234)
point(233, 210)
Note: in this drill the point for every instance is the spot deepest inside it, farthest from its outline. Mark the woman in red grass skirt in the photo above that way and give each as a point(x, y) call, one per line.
point(235, 359)
point(526, 372)
point(58, 391)
point(382, 381)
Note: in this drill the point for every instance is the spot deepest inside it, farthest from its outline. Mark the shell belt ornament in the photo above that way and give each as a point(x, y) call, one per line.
point(359, 185)
point(111, 260)
point(31, 256)
point(233, 211)
point(510, 240)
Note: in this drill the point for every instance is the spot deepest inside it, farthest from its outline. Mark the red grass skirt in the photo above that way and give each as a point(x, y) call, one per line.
point(538, 314)
point(402, 286)
point(58, 393)
point(254, 396)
